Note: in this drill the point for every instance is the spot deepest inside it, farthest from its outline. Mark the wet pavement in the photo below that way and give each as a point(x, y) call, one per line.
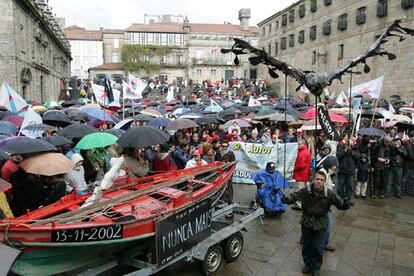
point(375, 237)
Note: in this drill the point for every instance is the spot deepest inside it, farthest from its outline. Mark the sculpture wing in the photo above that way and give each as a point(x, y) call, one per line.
point(395, 29)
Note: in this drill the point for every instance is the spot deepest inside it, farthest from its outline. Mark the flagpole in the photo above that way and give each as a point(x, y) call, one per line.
point(373, 113)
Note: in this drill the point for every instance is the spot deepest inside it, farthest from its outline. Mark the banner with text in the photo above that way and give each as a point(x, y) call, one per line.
point(253, 157)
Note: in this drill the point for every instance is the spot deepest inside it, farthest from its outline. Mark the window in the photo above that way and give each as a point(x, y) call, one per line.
point(86, 61)
point(94, 61)
point(263, 31)
point(150, 39)
point(341, 51)
point(406, 4)
point(269, 49)
point(85, 47)
point(302, 10)
point(291, 15)
point(291, 40)
point(284, 20)
point(301, 36)
point(199, 54)
point(163, 59)
point(361, 15)
point(277, 25)
point(178, 58)
point(199, 72)
point(77, 72)
point(382, 8)
point(327, 2)
point(213, 72)
point(342, 22)
point(270, 28)
point(76, 60)
point(313, 5)
point(312, 33)
point(276, 48)
point(283, 43)
point(326, 29)
point(114, 57)
point(313, 57)
point(116, 43)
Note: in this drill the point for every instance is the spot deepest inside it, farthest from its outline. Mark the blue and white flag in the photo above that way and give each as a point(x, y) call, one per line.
point(31, 118)
point(10, 99)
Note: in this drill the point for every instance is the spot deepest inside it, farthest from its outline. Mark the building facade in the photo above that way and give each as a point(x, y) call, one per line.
point(87, 49)
point(34, 52)
point(320, 35)
point(180, 50)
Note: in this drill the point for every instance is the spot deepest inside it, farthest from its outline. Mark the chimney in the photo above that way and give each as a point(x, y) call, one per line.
point(244, 16)
point(186, 25)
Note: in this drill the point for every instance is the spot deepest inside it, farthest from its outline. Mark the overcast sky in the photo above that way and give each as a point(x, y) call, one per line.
point(93, 14)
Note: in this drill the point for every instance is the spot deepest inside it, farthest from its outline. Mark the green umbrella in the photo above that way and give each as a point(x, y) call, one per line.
point(97, 140)
point(50, 104)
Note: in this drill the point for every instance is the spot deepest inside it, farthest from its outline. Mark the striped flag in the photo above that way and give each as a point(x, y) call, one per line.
point(10, 99)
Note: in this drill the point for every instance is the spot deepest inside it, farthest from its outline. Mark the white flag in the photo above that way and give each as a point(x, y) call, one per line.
point(371, 88)
point(170, 94)
point(342, 99)
point(391, 109)
point(304, 89)
point(135, 88)
point(10, 99)
point(31, 118)
point(253, 102)
point(101, 96)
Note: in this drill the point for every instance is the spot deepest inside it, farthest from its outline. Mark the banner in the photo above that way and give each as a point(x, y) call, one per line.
point(326, 124)
point(252, 157)
point(371, 88)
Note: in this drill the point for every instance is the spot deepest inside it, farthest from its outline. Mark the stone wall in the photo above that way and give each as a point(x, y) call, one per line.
point(324, 53)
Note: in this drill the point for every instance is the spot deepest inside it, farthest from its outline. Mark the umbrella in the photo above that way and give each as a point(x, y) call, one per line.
point(7, 128)
point(48, 164)
point(400, 118)
point(400, 125)
point(39, 108)
point(191, 116)
point(115, 131)
point(22, 145)
point(240, 123)
point(371, 131)
point(77, 114)
point(407, 109)
point(76, 130)
point(181, 124)
point(206, 120)
point(151, 112)
point(57, 140)
point(143, 117)
point(213, 108)
point(97, 113)
point(280, 117)
point(230, 112)
point(310, 125)
point(143, 136)
point(311, 114)
point(14, 119)
point(51, 104)
point(39, 127)
point(97, 140)
point(370, 113)
point(124, 124)
point(159, 122)
point(56, 118)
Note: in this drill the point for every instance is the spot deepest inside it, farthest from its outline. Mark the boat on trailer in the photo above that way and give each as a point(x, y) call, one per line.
point(65, 236)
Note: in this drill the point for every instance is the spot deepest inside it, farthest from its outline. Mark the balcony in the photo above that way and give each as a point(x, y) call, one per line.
point(212, 62)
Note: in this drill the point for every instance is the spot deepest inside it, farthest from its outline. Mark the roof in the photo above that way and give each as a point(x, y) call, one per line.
point(113, 31)
point(78, 33)
point(108, 66)
point(194, 27)
point(270, 18)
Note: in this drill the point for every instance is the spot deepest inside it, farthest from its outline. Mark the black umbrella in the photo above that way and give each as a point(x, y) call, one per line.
point(205, 120)
point(370, 113)
point(57, 140)
point(39, 127)
point(115, 131)
point(371, 131)
point(56, 118)
point(404, 126)
point(23, 145)
point(143, 136)
point(230, 112)
point(181, 124)
point(76, 130)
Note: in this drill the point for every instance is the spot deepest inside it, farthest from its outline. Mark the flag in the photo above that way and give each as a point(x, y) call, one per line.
point(371, 88)
point(109, 94)
point(304, 89)
point(101, 96)
point(214, 103)
point(391, 109)
point(10, 99)
point(170, 94)
point(31, 118)
point(357, 108)
point(134, 88)
point(342, 99)
point(254, 102)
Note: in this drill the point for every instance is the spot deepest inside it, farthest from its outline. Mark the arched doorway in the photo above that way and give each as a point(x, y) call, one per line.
point(25, 78)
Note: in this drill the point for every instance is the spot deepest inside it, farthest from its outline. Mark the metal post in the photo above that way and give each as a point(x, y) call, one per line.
point(284, 153)
point(349, 103)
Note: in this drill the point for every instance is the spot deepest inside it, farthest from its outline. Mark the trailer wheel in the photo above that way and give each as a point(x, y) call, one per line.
point(212, 261)
point(233, 247)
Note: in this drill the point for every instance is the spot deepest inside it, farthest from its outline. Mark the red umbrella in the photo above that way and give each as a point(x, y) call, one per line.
point(14, 119)
point(311, 114)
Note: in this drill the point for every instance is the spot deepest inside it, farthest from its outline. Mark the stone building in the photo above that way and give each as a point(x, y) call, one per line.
point(34, 52)
point(320, 35)
point(87, 49)
point(194, 49)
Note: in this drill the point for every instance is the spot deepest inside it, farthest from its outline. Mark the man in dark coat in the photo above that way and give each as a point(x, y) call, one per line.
point(408, 171)
point(347, 155)
point(316, 201)
point(226, 155)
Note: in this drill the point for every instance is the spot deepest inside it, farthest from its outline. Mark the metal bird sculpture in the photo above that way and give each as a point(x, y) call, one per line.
point(314, 81)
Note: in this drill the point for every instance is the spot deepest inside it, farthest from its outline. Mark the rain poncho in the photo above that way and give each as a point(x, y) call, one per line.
point(270, 192)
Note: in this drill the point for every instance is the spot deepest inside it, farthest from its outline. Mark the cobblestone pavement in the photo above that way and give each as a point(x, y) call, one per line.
point(375, 237)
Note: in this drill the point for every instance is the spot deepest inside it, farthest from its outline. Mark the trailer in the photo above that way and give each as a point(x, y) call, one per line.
point(224, 242)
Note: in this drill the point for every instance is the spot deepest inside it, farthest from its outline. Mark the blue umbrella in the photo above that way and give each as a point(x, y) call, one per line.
point(159, 122)
point(7, 128)
point(98, 114)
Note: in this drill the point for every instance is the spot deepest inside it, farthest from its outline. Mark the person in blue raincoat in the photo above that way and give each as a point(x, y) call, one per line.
point(270, 183)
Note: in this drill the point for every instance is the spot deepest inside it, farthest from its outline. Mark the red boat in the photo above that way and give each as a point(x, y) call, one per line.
point(64, 236)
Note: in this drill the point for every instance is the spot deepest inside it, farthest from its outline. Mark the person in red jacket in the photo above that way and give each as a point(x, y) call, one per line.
point(164, 162)
point(301, 172)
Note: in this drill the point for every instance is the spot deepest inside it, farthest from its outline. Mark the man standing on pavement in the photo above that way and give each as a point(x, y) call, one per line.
point(347, 155)
point(316, 201)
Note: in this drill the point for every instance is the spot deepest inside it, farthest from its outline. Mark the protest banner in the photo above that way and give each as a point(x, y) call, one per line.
point(252, 157)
